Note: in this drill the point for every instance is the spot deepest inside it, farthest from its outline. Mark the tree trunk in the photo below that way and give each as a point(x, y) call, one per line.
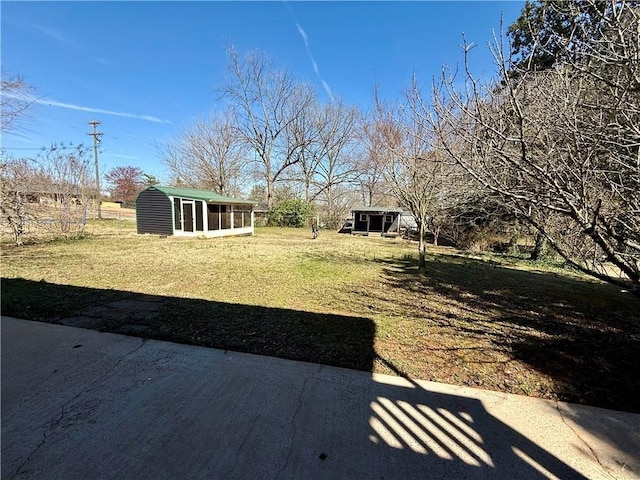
point(512, 247)
point(422, 244)
point(330, 213)
point(539, 248)
point(269, 192)
point(19, 220)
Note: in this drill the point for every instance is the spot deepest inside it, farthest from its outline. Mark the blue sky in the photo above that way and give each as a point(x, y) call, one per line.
point(147, 70)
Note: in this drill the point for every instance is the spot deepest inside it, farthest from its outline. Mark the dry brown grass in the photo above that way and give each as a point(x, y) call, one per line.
point(494, 322)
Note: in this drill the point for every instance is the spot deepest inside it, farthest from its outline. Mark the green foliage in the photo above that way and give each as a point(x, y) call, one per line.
point(551, 32)
point(533, 46)
point(290, 213)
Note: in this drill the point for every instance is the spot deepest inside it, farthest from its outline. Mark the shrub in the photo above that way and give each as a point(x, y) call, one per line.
point(290, 213)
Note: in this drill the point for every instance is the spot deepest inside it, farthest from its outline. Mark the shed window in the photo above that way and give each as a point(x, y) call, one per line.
point(213, 216)
point(241, 216)
point(177, 214)
point(237, 217)
point(363, 217)
point(225, 217)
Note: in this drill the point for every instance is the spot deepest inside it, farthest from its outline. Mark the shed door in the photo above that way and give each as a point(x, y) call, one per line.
point(375, 223)
point(187, 216)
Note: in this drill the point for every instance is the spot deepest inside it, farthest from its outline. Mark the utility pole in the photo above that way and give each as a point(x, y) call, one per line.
point(96, 141)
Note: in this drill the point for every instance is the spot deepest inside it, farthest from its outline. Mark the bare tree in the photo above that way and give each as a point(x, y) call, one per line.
point(16, 98)
point(47, 196)
point(268, 102)
point(560, 147)
point(325, 136)
point(66, 170)
point(405, 169)
point(208, 155)
point(421, 178)
point(303, 137)
point(16, 177)
point(337, 127)
point(370, 163)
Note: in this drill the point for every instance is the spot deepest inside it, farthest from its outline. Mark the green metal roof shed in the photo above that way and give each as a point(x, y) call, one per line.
point(189, 212)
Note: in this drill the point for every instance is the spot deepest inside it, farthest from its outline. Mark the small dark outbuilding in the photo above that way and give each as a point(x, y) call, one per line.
point(374, 220)
point(190, 213)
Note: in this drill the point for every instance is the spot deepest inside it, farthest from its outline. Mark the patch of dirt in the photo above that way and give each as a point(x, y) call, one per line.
point(132, 316)
point(118, 213)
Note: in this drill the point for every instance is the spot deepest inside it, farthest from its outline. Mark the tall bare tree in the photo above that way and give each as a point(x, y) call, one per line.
point(268, 102)
point(326, 139)
point(424, 181)
point(560, 147)
point(209, 155)
point(337, 124)
point(303, 136)
point(370, 163)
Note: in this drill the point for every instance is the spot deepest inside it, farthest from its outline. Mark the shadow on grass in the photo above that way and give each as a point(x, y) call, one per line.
point(335, 340)
point(584, 335)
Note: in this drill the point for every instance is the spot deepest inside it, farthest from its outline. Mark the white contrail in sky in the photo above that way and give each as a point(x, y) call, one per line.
point(70, 106)
point(53, 103)
point(69, 44)
point(305, 38)
point(51, 33)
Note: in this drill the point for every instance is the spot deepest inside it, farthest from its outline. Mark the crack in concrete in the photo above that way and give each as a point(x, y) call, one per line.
point(575, 432)
point(35, 450)
point(239, 449)
point(293, 424)
point(53, 425)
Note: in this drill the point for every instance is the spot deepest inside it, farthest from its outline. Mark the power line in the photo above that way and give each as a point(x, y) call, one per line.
point(36, 148)
point(21, 148)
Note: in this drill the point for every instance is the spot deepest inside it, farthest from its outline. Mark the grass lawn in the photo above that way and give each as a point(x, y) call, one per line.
point(499, 323)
